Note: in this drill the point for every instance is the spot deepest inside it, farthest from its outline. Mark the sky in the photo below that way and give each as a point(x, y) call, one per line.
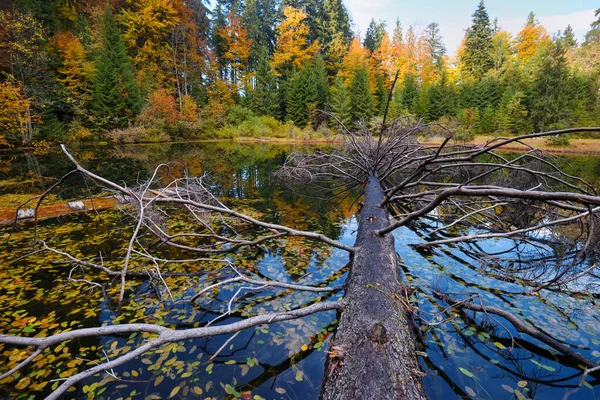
point(454, 16)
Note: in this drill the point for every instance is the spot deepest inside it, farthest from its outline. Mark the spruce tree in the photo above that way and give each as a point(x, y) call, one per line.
point(321, 82)
point(434, 42)
point(374, 35)
point(115, 97)
point(382, 95)
point(362, 104)
point(340, 103)
point(549, 100)
point(477, 57)
point(302, 97)
point(410, 92)
point(265, 90)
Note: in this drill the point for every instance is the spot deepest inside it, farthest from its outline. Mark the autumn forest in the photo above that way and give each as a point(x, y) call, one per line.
point(160, 70)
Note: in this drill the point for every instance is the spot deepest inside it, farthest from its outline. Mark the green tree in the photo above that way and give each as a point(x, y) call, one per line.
point(265, 89)
point(115, 97)
point(374, 34)
point(477, 57)
point(567, 38)
point(340, 103)
point(321, 82)
point(362, 104)
point(302, 97)
point(593, 35)
point(410, 92)
point(435, 45)
point(549, 100)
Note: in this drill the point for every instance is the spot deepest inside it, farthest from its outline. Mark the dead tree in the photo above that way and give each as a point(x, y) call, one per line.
point(405, 182)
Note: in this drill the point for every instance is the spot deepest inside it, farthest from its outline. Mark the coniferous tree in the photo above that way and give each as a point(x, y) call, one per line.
point(321, 82)
point(434, 42)
point(410, 92)
point(302, 97)
point(374, 34)
point(567, 38)
point(265, 90)
point(382, 95)
point(340, 103)
point(362, 104)
point(593, 35)
point(115, 97)
point(549, 100)
point(477, 58)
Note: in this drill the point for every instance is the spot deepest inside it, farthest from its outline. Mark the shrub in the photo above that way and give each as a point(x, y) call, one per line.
point(238, 115)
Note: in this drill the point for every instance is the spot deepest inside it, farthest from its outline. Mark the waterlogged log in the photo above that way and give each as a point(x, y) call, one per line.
point(373, 354)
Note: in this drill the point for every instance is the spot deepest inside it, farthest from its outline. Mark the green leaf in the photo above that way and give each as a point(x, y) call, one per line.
point(231, 390)
point(466, 372)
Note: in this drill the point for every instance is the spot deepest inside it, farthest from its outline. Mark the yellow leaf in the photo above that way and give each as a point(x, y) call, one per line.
point(304, 347)
point(197, 390)
point(23, 383)
point(174, 391)
point(158, 380)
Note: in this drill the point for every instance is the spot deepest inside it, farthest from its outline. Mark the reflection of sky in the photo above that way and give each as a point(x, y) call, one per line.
point(453, 345)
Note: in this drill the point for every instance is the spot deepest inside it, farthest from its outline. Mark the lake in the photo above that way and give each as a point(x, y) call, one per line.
point(463, 355)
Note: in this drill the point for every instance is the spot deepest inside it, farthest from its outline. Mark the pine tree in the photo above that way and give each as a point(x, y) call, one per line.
point(567, 38)
point(374, 34)
point(382, 95)
point(593, 35)
point(340, 103)
point(302, 98)
point(410, 92)
point(362, 104)
point(265, 90)
point(321, 82)
point(115, 97)
point(477, 57)
point(549, 100)
point(434, 42)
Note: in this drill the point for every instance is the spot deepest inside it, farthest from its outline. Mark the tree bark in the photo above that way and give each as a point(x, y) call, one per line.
point(373, 353)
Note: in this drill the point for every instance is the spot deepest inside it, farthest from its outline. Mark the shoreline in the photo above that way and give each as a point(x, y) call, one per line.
point(576, 146)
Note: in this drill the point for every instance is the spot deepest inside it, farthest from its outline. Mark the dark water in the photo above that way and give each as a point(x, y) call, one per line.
point(468, 356)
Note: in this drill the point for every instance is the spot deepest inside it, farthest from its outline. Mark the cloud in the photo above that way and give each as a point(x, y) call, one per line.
point(453, 31)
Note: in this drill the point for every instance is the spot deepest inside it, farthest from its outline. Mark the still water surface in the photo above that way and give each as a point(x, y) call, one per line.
point(469, 356)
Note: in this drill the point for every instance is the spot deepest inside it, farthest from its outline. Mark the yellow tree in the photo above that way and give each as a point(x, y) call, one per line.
point(14, 111)
point(425, 64)
point(357, 57)
point(530, 39)
point(385, 59)
point(237, 47)
point(147, 25)
point(293, 49)
point(76, 71)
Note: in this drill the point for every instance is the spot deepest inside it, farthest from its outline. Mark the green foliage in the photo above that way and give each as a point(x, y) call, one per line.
point(362, 104)
point(374, 34)
point(238, 114)
point(477, 56)
point(115, 97)
point(549, 101)
point(302, 98)
point(341, 105)
point(265, 90)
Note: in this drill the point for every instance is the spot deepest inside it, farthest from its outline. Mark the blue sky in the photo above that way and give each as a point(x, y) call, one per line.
point(454, 16)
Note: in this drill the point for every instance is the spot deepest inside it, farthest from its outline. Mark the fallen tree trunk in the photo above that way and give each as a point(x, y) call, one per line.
point(373, 354)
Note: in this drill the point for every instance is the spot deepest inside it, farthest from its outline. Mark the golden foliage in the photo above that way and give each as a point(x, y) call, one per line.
point(292, 48)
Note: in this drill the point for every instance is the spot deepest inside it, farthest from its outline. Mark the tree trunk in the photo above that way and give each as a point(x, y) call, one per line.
point(373, 353)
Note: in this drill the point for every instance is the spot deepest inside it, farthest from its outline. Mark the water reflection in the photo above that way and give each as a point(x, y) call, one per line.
point(468, 355)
